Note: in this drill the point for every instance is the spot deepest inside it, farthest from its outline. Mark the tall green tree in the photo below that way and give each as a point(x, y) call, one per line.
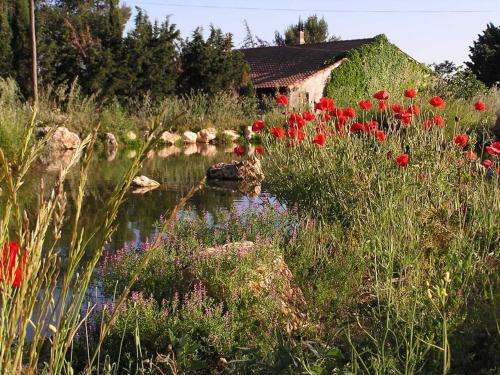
point(485, 55)
point(152, 58)
point(212, 65)
point(21, 55)
point(315, 31)
point(5, 40)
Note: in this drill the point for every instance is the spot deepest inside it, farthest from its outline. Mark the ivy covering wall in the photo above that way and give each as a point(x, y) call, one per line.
point(379, 65)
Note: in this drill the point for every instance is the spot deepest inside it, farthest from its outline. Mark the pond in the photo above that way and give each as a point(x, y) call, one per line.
point(177, 170)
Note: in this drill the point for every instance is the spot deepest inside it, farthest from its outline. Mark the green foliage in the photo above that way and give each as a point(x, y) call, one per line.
point(315, 31)
point(211, 65)
point(379, 65)
point(485, 55)
point(457, 82)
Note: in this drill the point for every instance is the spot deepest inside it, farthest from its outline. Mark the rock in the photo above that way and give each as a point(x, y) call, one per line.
point(144, 182)
point(189, 137)
point(111, 141)
point(143, 190)
point(151, 154)
point(132, 154)
point(259, 274)
point(237, 170)
point(63, 139)
point(248, 132)
point(190, 149)
point(131, 136)
point(170, 138)
point(111, 154)
point(169, 151)
point(206, 135)
point(231, 135)
point(56, 160)
point(206, 149)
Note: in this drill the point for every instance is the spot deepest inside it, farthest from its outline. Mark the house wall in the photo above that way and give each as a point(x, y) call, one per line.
point(311, 89)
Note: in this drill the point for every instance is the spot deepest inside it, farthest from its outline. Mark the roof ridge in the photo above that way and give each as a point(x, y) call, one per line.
point(308, 44)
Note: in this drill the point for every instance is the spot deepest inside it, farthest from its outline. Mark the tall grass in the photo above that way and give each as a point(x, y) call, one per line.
point(33, 318)
point(425, 236)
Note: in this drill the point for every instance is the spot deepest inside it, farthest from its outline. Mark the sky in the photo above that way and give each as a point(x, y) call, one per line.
point(429, 31)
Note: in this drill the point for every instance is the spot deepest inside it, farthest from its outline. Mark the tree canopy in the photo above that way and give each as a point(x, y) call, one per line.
point(315, 31)
point(85, 41)
point(485, 55)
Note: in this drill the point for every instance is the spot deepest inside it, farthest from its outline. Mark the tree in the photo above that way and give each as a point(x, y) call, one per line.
point(315, 31)
point(457, 81)
point(5, 40)
point(251, 40)
point(212, 65)
point(21, 55)
point(485, 55)
point(152, 58)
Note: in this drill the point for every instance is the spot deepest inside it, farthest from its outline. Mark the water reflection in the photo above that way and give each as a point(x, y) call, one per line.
point(176, 169)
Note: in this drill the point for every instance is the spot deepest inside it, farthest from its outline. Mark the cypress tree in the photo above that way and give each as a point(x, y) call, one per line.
point(5, 40)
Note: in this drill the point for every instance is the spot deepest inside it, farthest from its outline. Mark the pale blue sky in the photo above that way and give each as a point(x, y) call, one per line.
point(428, 36)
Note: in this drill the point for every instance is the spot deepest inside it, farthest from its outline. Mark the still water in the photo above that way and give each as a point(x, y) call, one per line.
point(177, 170)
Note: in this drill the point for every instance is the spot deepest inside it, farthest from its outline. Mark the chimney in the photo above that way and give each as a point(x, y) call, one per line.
point(300, 37)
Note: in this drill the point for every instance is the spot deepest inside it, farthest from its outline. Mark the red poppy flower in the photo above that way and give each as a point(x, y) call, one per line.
point(396, 108)
point(382, 105)
point(426, 124)
point(495, 147)
point(487, 163)
point(308, 116)
point(294, 119)
point(469, 154)
point(259, 149)
point(404, 116)
point(381, 95)
point(479, 105)
point(461, 140)
point(437, 102)
point(357, 127)
point(9, 262)
point(319, 139)
point(438, 120)
point(239, 150)
point(365, 105)
point(282, 100)
point(414, 109)
point(258, 126)
point(337, 112)
point(380, 135)
point(410, 93)
point(402, 160)
point(370, 126)
point(295, 133)
point(325, 104)
point(350, 112)
point(278, 132)
point(339, 125)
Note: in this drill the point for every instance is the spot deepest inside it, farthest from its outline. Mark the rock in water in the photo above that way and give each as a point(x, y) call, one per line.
point(170, 138)
point(206, 135)
point(189, 137)
point(237, 170)
point(63, 139)
point(144, 182)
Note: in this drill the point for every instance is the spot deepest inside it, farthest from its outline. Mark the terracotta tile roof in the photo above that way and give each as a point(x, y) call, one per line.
point(283, 66)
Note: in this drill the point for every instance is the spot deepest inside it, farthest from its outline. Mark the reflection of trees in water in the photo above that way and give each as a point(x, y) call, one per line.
point(177, 175)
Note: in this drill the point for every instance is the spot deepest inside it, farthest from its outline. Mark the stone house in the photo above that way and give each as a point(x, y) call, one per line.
point(301, 71)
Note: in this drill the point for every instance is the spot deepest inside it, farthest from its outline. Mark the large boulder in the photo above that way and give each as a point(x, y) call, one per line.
point(189, 137)
point(144, 182)
point(190, 149)
point(206, 149)
point(206, 135)
point(258, 276)
point(169, 151)
point(170, 138)
point(237, 170)
point(63, 139)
